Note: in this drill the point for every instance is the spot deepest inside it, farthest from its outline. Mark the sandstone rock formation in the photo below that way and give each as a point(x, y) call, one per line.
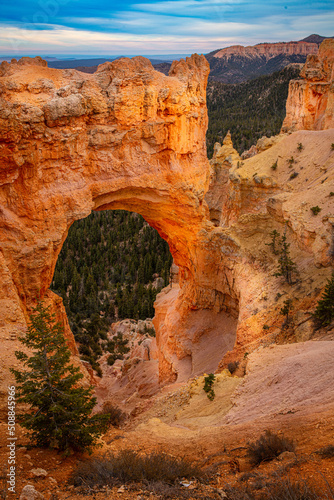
point(287, 388)
point(224, 158)
point(30, 493)
point(310, 104)
point(268, 50)
point(261, 199)
point(128, 137)
point(137, 374)
point(237, 63)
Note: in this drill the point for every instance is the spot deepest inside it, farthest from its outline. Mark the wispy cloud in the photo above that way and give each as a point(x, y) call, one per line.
point(107, 27)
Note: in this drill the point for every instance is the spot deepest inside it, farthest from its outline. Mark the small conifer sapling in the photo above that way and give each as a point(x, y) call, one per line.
point(315, 210)
point(275, 242)
point(324, 312)
point(208, 386)
point(286, 309)
point(274, 165)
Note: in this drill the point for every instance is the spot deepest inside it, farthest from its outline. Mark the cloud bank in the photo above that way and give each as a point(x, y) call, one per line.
point(165, 27)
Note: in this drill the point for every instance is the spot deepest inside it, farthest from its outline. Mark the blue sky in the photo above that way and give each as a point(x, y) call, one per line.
point(105, 27)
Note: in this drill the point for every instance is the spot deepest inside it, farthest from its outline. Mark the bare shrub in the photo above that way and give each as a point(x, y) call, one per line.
point(246, 476)
point(238, 493)
point(285, 489)
point(268, 447)
point(232, 366)
point(327, 451)
point(128, 466)
point(280, 489)
point(116, 415)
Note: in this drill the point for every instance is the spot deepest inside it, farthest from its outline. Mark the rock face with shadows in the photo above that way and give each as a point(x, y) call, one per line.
point(310, 104)
point(224, 158)
point(126, 137)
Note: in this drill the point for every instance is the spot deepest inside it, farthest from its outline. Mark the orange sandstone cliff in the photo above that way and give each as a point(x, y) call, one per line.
point(126, 137)
point(268, 50)
point(129, 137)
point(310, 104)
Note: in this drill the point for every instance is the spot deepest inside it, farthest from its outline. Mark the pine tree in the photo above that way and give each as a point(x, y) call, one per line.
point(286, 309)
point(286, 266)
point(275, 242)
point(324, 313)
point(59, 413)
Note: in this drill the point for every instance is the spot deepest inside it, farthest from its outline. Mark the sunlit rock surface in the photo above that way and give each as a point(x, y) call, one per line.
point(128, 137)
point(310, 104)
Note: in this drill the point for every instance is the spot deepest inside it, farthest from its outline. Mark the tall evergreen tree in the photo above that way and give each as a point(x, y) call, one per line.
point(59, 413)
point(275, 242)
point(324, 313)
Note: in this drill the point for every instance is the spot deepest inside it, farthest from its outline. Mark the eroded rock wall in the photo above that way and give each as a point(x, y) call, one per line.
point(276, 186)
point(310, 104)
point(126, 137)
point(276, 189)
point(268, 50)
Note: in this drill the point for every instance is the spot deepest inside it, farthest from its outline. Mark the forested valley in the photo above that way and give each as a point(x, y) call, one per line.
point(249, 110)
point(107, 270)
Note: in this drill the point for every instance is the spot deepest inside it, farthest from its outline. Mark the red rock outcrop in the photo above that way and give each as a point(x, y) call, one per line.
point(126, 137)
point(261, 199)
point(310, 104)
point(238, 64)
point(224, 158)
point(268, 50)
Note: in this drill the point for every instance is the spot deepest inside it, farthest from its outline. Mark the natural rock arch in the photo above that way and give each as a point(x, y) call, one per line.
point(126, 137)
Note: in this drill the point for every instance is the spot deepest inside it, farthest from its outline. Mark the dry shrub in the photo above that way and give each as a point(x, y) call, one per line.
point(285, 489)
point(280, 489)
point(327, 451)
point(232, 366)
point(116, 415)
point(246, 476)
point(268, 447)
point(238, 493)
point(128, 466)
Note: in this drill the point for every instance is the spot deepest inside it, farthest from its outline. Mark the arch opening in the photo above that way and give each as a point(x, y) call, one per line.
point(110, 269)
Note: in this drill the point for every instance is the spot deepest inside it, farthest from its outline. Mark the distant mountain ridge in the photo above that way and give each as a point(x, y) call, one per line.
point(88, 63)
point(237, 63)
point(234, 64)
point(315, 39)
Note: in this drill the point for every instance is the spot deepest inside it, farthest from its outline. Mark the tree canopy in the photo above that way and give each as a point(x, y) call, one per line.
point(59, 413)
